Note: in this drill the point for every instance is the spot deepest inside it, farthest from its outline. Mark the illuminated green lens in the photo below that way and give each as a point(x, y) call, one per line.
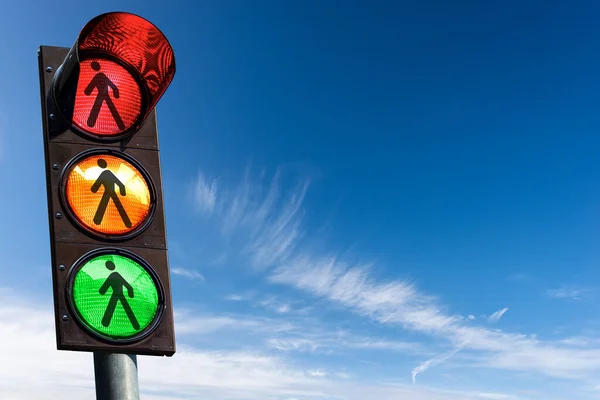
point(115, 296)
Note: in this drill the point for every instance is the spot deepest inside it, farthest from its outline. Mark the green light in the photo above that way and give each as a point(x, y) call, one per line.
point(115, 296)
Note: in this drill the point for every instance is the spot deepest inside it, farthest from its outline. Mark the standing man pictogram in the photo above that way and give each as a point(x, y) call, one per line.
point(117, 282)
point(109, 180)
point(102, 83)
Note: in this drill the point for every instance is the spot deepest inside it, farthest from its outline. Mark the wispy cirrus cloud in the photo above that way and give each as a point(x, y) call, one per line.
point(235, 297)
point(434, 361)
point(390, 302)
point(569, 292)
point(188, 273)
point(270, 221)
point(298, 344)
point(287, 332)
point(329, 342)
point(204, 194)
point(276, 305)
point(244, 296)
point(38, 371)
point(495, 317)
point(400, 303)
point(318, 372)
point(190, 322)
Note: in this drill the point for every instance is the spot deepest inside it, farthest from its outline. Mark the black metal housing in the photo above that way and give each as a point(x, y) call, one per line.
point(68, 242)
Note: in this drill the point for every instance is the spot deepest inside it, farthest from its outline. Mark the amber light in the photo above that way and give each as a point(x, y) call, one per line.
point(123, 209)
point(108, 100)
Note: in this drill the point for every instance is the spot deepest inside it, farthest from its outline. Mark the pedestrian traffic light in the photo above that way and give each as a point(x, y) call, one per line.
point(108, 243)
point(82, 180)
point(96, 276)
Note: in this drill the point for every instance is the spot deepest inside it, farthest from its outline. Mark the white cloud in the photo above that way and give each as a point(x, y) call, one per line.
point(392, 302)
point(198, 325)
point(270, 224)
point(389, 302)
point(293, 344)
point(578, 341)
point(400, 303)
point(283, 308)
point(326, 342)
point(189, 322)
point(495, 317)
point(245, 296)
point(204, 194)
point(379, 344)
point(38, 371)
point(434, 361)
point(496, 396)
point(269, 221)
point(568, 292)
point(187, 273)
point(273, 304)
point(293, 333)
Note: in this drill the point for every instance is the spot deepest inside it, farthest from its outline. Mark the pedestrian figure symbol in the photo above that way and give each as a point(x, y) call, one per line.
point(109, 180)
point(116, 282)
point(102, 83)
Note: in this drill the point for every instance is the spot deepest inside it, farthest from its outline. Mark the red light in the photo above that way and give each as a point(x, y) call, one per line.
point(136, 42)
point(108, 100)
point(133, 56)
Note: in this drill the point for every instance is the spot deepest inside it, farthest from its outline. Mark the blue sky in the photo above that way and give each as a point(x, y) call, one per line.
point(364, 200)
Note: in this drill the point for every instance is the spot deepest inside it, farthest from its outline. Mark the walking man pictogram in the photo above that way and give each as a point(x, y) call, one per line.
point(117, 282)
point(109, 180)
point(102, 83)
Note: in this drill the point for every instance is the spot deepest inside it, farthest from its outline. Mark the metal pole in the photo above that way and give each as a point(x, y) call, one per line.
point(116, 376)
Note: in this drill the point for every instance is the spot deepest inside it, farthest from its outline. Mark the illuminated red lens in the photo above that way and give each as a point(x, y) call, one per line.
point(136, 42)
point(121, 64)
point(108, 100)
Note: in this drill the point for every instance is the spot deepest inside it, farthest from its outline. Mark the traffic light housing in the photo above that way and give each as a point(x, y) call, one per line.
point(110, 269)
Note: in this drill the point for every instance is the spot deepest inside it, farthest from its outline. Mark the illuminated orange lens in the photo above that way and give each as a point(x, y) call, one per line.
point(107, 194)
point(108, 100)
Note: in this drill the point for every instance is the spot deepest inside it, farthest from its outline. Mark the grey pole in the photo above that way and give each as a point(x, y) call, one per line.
point(116, 376)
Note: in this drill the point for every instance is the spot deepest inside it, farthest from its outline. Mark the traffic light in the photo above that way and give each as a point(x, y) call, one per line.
point(108, 242)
